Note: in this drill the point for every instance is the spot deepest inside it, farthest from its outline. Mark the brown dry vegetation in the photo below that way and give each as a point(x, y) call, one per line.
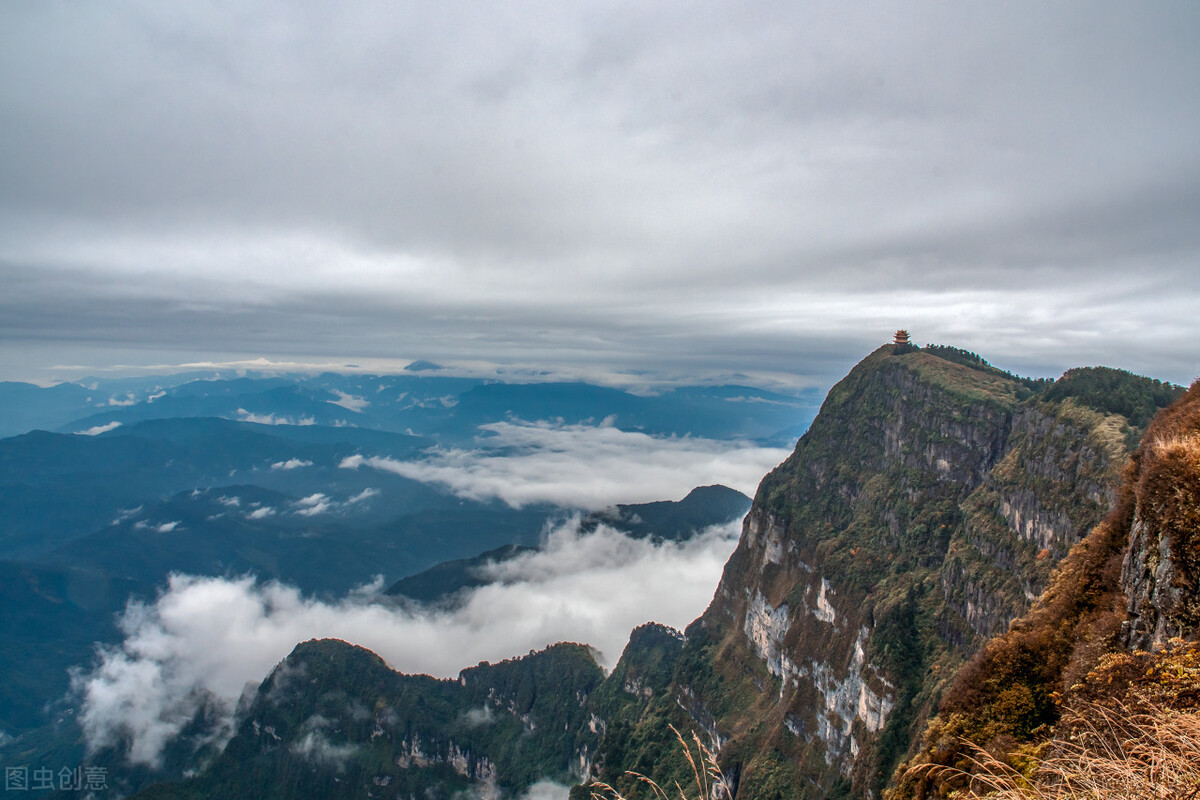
point(1026, 692)
point(1169, 503)
point(1131, 729)
point(1114, 754)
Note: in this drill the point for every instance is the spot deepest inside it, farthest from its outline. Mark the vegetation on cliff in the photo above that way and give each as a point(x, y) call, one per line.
point(1115, 391)
point(1131, 729)
point(922, 511)
point(334, 721)
point(1131, 583)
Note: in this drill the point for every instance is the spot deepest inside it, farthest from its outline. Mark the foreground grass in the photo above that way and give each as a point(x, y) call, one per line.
point(1111, 753)
point(710, 783)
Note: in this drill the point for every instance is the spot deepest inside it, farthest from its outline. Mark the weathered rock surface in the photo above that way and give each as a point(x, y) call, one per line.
point(1161, 570)
point(1110, 630)
point(923, 510)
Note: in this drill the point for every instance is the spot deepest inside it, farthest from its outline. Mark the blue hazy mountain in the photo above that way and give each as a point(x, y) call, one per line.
point(25, 407)
point(57, 487)
point(698, 411)
point(218, 474)
point(216, 532)
point(425, 403)
point(674, 520)
point(447, 579)
point(51, 619)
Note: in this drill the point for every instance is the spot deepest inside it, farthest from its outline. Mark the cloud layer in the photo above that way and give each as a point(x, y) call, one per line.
point(204, 640)
point(582, 466)
point(767, 187)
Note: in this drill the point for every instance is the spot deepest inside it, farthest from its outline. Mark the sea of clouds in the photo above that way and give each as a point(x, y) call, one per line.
point(581, 465)
point(206, 640)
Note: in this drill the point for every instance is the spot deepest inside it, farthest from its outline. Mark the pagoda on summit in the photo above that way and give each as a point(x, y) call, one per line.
point(902, 344)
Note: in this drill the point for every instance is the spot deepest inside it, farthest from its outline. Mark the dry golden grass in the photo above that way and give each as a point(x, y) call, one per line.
point(710, 784)
point(1111, 754)
point(1185, 446)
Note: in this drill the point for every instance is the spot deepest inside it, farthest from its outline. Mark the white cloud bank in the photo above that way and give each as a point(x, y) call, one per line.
point(320, 503)
point(349, 402)
point(291, 463)
point(205, 639)
point(272, 419)
point(547, 790)
point(582, 466)
point(99, 429)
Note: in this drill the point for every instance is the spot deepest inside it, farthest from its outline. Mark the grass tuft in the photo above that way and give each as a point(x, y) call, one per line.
point(1111, 753)
point(710, 782)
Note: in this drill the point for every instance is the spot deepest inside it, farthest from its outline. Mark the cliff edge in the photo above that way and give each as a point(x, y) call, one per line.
point(922, 512)
point(1116, 628)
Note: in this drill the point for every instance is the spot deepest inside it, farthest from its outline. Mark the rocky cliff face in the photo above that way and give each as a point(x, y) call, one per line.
point(1054, 483)
point(1105, 634)
point(922, 512)
point(1161, 569)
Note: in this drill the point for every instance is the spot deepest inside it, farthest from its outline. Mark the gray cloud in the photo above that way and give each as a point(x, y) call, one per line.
point(616, 184)
point(480, 716)
point(547, 790)
point(316, 747)
point(205, 639)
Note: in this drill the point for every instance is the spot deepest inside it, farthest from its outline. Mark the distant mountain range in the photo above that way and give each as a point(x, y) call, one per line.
point(109, 487)
point(442, 409)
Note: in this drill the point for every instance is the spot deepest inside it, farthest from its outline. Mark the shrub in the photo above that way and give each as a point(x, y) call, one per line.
point(1113, 752)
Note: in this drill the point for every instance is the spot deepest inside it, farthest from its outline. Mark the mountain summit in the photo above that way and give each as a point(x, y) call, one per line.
point(922, 511)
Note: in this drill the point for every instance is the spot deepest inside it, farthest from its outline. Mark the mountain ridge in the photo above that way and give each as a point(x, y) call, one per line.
point(923, 509)
point(867, 564)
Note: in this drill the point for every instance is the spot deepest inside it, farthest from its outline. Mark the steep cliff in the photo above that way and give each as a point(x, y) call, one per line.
point(1160, 574)
point(1108, 632)
point(923, 510)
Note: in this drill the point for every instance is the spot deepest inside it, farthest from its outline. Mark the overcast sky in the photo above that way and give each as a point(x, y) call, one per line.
point(679, 188)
